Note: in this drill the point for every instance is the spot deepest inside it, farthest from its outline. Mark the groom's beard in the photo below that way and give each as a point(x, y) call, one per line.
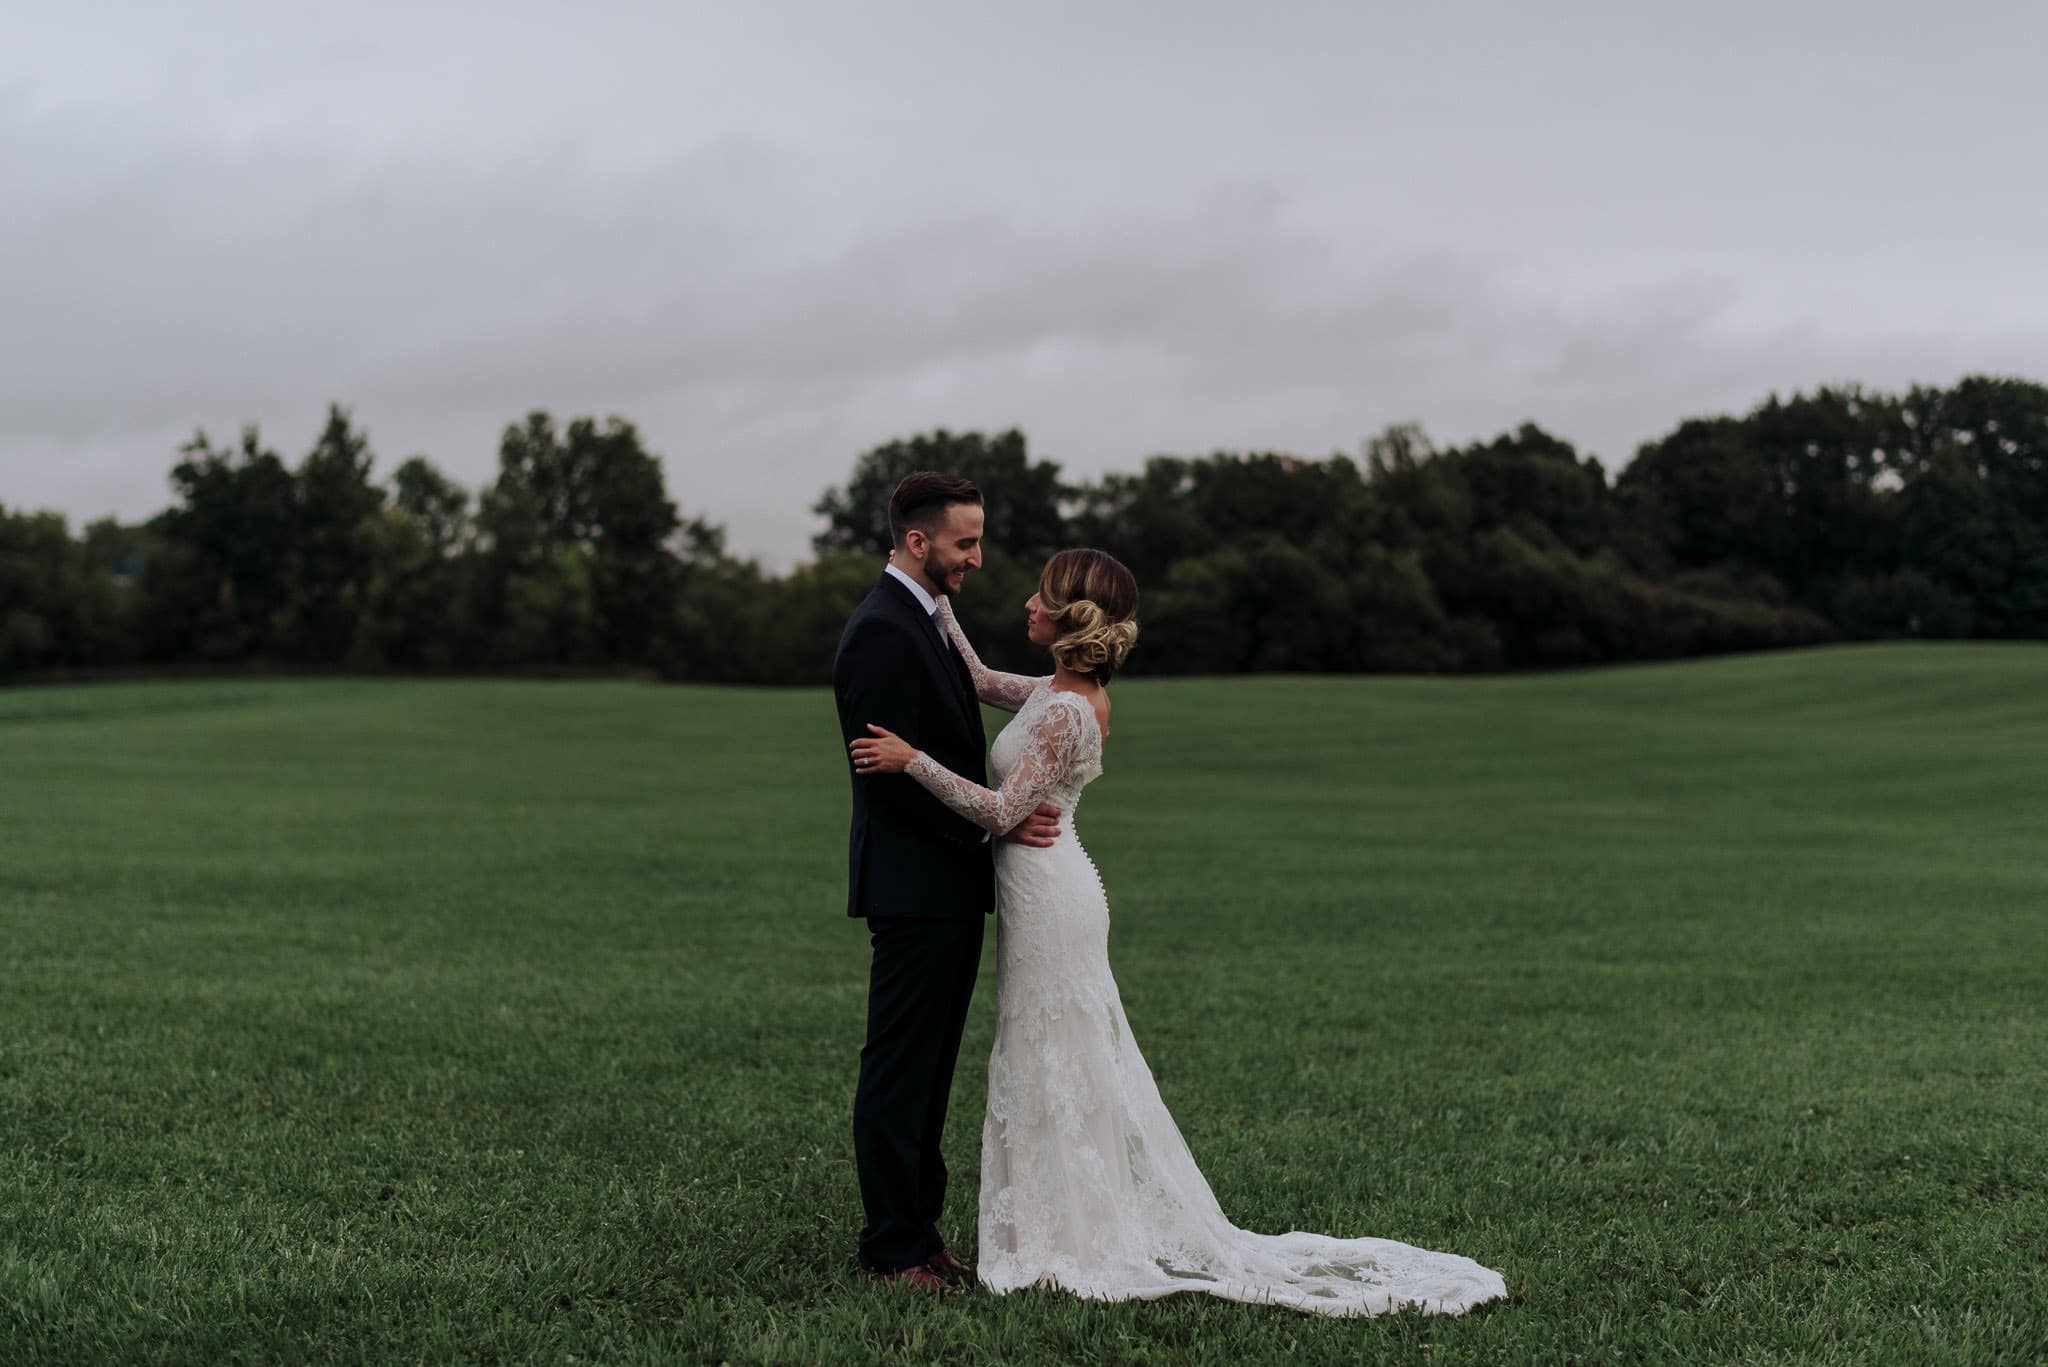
point(936, 583)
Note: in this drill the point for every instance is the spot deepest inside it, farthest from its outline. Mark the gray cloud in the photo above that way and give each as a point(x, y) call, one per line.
point(779, 236)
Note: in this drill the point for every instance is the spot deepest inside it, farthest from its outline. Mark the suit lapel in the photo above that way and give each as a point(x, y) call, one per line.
point(941, 656)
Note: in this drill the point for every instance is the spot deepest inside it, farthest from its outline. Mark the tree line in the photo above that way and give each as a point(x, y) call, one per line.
point(1844, 514)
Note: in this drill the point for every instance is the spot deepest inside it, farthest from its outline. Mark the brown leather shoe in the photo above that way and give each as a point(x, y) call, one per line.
point(951, 1268)
point(919, 1278)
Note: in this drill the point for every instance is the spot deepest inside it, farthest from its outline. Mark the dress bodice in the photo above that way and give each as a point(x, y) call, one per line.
point(1049, 752)
point(1052, 721)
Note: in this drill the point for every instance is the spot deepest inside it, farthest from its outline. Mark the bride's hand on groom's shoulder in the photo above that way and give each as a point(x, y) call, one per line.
point(884, 752)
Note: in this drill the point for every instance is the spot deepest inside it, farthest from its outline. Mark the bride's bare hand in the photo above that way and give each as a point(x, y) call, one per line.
point(882, 753)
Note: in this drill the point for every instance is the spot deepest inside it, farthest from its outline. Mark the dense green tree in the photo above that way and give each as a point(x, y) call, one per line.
point(433, 503)
point(61, 605)
point(34, 549)
point(220, 584)
point(1974, 506)
point(1826, 454)
point(514, 563)
point(797, 619)
point(1260, 602)
point(631, 523)
point(1837, 513)
point(1392, 621)
point(1536, 486)
point(1024, 498)
point(337, 534)
point(1701, 498)
point(1177, 508)
point(729, 626)
point(1409, 504)
point(1902, 603)
point(1148, 520)
point(417, 598)
point(577, 518)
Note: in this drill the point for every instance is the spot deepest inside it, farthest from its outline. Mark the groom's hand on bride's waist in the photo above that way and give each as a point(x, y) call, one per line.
point(1039, 830)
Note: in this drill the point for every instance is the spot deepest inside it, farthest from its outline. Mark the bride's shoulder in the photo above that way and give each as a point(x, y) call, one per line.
point(1095, 706)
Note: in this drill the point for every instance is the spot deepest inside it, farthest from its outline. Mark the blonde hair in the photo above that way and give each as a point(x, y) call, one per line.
point(1093, 602)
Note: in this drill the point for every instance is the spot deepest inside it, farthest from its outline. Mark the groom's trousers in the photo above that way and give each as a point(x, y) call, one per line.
point(918, 990)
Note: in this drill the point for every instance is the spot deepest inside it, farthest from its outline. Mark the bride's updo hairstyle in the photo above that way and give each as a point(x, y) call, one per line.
point(1093, 602)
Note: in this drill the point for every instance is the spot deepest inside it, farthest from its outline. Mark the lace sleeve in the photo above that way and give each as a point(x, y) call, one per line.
point(992, 686)
point(1048, 751)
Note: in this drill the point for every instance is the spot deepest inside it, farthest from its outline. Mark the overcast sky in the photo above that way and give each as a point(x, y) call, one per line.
point(777, 234)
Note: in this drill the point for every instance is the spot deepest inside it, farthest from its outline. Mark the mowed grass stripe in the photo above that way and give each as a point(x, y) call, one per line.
point(354, 1020)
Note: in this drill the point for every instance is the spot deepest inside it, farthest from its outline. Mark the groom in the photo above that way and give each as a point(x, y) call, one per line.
point(922, 876)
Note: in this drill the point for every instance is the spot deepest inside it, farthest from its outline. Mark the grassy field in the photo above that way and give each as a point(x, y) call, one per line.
point(347, 1021)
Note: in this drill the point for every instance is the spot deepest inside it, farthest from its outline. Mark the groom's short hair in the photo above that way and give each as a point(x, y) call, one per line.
point(921, 501)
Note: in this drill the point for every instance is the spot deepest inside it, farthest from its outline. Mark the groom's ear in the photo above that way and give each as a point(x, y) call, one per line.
point(916, 543)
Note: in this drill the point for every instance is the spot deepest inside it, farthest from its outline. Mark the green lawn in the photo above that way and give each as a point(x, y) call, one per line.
point(349, 1021)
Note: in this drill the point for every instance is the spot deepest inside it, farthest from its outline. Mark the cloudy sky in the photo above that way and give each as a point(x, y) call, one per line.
point(777, 234)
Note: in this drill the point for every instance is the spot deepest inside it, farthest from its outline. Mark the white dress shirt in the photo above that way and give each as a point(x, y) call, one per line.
point(924, 596)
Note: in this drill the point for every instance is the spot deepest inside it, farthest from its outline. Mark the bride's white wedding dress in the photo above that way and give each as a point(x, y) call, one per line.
point(1086, 1182)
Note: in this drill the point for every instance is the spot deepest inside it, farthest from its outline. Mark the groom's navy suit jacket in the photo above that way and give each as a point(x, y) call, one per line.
point(909, 853)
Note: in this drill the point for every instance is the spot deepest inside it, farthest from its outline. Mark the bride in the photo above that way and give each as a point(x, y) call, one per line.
point(1086, 1183)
